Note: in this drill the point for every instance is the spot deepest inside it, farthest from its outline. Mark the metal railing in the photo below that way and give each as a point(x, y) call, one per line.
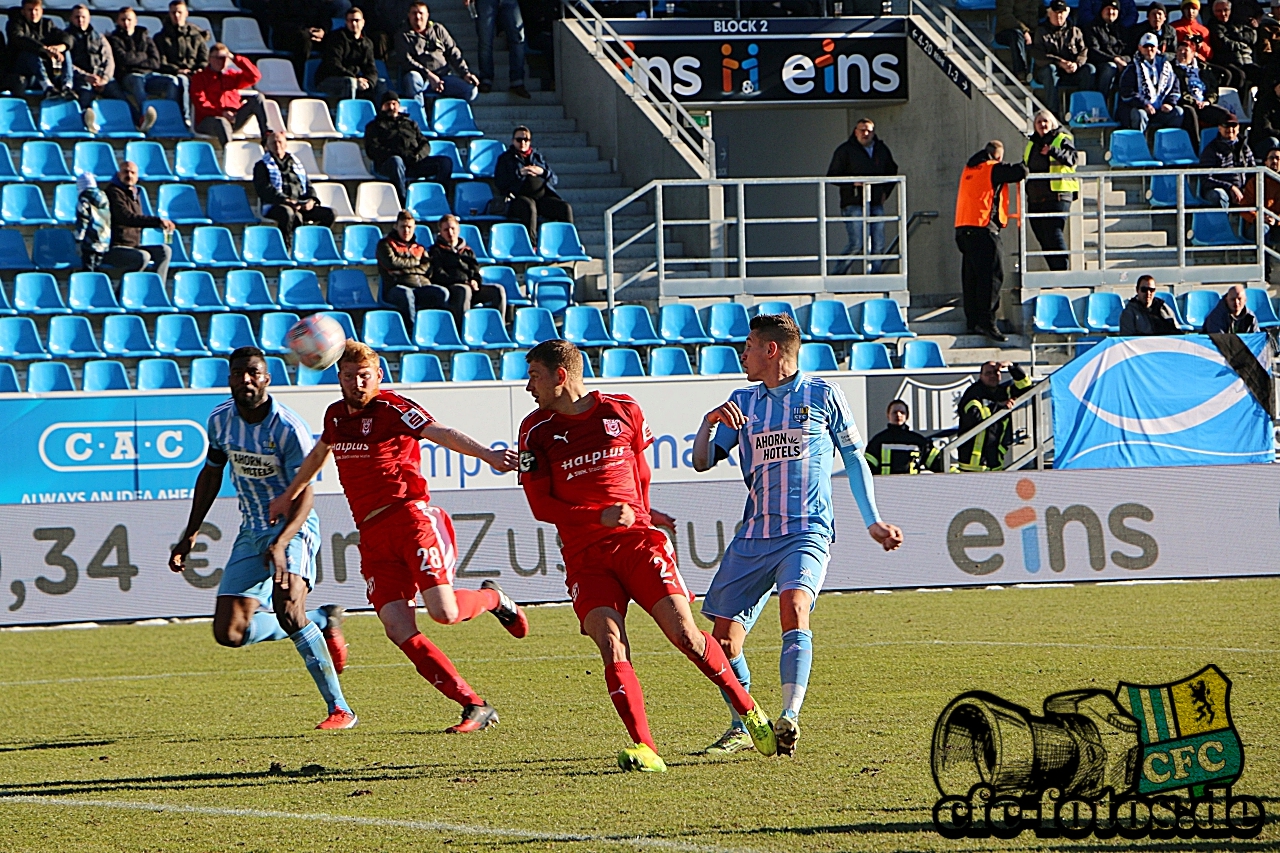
point(757, 236)
point(1031, 419)
point(608, 46)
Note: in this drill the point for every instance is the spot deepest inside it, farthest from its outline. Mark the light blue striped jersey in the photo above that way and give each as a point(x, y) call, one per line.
point(264, 456)
point(786, 451)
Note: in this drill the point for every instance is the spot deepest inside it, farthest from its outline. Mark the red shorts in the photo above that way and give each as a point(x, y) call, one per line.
point(406, 549)
point(636, 564)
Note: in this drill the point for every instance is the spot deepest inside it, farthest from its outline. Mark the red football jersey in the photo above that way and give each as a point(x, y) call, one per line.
point(377, 452)
point(591, 459)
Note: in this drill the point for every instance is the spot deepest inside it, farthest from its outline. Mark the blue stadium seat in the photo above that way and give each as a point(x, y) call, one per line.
point(588, 372)
point(413, 110)
point(505, 277)
point(558, 243)
point(434, 329)
point(7, 170)
point(275, 326)
point(679, 324)
point(879, 318)
point(1208, 228)
point(349, 289)
point(264, 247)
point(195, 291)
point(868, 355)
point(718, 360)
point(726, 322)
point(1207, 135)
point(1053, 315)
point(509, 243)
point(144, 201)
point(105, 375)
point(631, 325)
point(817, 356)
point(328, 376)
point(343, 319)
point(1167, 298)
point(550, 287)
point(447, 148)
point(37, 293)
point(170, 123)
point(9, 379)
point(180, 203)
point(19, 340)
point(1173, 147)
point(620, 361)
point(6, 307)
point(514, 367)
point(95, 158)
point(13, 251)
point(1083, 105)
point(279, 371)
point(300, 291)
point(92, 293)
point(179, 258)
point(61, 118)
point(55, 249)
point(229, 205)
point(772, 306)
point(159, 374)
point(471, 202)
point(427, 201)
point(484, 329)
point(669, 361)
point(65, 198)
point(247, 291)
point(484, 156)
point(584, 326)
point(471, 367)
point(1163, 192)
point(919, 355)
point(309, 79)
point(826, 320)
point(72, 337)
point(16, 121)
point(470, 234)
point(1197, 304)
point(210, 373)
point(228, 332)
point(384, 331)
point(1259, 303)
point(421, 367)
point(1103, 312)
point(115, 121)
point(360, 244)
point(452, 118)
point(353, 115)
point(314, 245)
point(144, 293)
point(196, 160)
point(125, 336)
point(178, 335)
point(1129, 151)
point(45, 377)
point(533, 326)
point(153, 164)
point(23, 204)
point(213, 246)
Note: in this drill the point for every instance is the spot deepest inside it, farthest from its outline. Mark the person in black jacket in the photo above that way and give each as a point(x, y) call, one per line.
point(1051, 148)
point(1108, 51)
point(347, 68)
point(297, 28)
point(38, 50)
point(1225, 151)
point(1143, 314)
point(981, 209)
point(863, 153)
point(897, 449)
point(399, 151)
point(184, 49)
point(1157, 22)
point(127, 221)
point(527, 183)
point(138, 67)
point(94, 64)
point(452, 264)
point(1232, 42)
point(1264, 131)
point(1231, 314)
point(981, 400)
point(285, 191)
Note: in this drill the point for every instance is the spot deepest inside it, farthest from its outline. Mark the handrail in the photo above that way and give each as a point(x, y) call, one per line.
point(606, 44)
point(1041, 442)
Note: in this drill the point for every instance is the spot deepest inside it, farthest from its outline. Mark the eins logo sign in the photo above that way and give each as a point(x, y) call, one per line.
point(799, 70)
point(1050, 536)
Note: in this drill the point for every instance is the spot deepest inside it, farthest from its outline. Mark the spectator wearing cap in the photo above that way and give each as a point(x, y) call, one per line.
point(1016, 22)
point(1108, 53)
point(1226, 151)
point(1157, 23)
point(219, 107)
point(1089, 10)
point(1198, 83)
point(92, 231)
point(1145, 315)
point(1059, 48)
point(347, 67)
point(399, 151)
point(1232, 41)
point(1231, 315)
point(1149, 90)
point(429, 61)
point(286, 193)
point(1189, 29)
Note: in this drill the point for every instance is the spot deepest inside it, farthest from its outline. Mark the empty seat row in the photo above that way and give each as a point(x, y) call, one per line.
point(1055, 314)
point(153, 374)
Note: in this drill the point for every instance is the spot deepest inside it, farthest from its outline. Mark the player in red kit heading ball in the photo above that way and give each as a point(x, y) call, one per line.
point(583, 469)
point(406, 545)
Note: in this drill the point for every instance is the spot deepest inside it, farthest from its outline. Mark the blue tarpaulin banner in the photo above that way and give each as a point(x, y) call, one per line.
point(1138, 402)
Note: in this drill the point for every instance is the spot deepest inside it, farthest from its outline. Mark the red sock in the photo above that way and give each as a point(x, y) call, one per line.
point(715, 666)
point(628, 698)
point(473, 602)
point(435, 666)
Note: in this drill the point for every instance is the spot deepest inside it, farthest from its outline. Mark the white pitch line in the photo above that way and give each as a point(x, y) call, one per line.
point(381, 823)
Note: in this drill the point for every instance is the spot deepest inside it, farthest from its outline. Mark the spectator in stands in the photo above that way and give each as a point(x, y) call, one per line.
point(127, 222)
point(1060, 50)
point(452, 264)
point(94, 64)
point(1016, 22)
point(286, 193)
point(863, 153)
point(1231, 314)
point(297, 28)
point(405, 273)
point(347, 67)
point(1232, 43)
point(1149, 92)
point(897, 449)
point(38, 50)
point(1225, 151)
point(981, 400)
point(429, 61)
point(220, 109)
point(1051, 150)
point(1270, 202)
point(1189, 29)
point(138, 67)
point(1090, 10)
point(1143, 314)
point(525, 180)
point(507, 12)
point(92, 230)
point(1264, 131)
point(1157, 23)
point(1106, 40)
point(981, 212)
point(1198, 83)
point(399, 151)
point(183, 48)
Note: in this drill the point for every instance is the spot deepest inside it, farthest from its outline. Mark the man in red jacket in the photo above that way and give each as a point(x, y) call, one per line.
point(220, 109)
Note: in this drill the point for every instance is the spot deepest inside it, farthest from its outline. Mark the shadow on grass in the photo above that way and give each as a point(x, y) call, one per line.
point(63, 744)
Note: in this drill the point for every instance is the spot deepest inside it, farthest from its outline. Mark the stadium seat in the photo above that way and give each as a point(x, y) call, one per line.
point(471, 202)
point(228, 332)
point(6, 307)
point(360, 244)
point(9, 379)
point(818, 356)
point(247, 291)
point(879, 318)
point(772, 306)
point(105, 375)
point(484, 329)
point(1197, 304)
point(377, 201)
point(37, 293)
point(533, 326)
point(384, 331)
point(448, 148)
point(238, 159)
point(178, 335)
point(65, 198)
point(170, 122)
point(618, 362)
point(1129, 151)
point(726, 322)
point(151, 23)
point(309, 78)
point(826, 320)
point(1229, 100)
point(196, 160)
point(869, 355)
point(125, 336)
point(55, 249)
point(1207, 135)
point(452, 118)
point(279, 371)
point(91, 293)
point(484, 156)
point(414, 111)
point(7, 170)
point(1173, 147)
point(180, 203)
point(72, 337)
point(919, 355)
point(509, 243)
point(558, 243)
point(514, 367)
point(679, 324)
point(1259, 303)
point(669, 361)
point(353, 115)
point(300, 291)
point(343, 319)
point(344, 161)
point(144, 293)
point(1089, 111)
point(434, 329)
point(554, 294)
point(718, 360)
point(349, 290)
point(213, 246)
point(328, 376)
point(194, 291)
point(584, 326)
point(1053, 315)
point(114, 119)
point(159, 374)
point(243, 36)
point(94, 158)
point(1103, 312)
point(279, 80)
point(314, 245)
point(471, 235)
point(1208, 228)
point(229, 205)
point(13, 251)
point(62, 118)
point(45, 377)
point(16, 121)
point(1163, 192)
point(23, 204)
point(179, 258)
point(421, 367)
point(471, 367)
point(426, 200)
point(1167, 298)
point(275, 326)
point(588, 372)
point(210, 373)
point(632, 326)
point(505, 277)
point(19, 340)
point(334, 196)
point(150, 158)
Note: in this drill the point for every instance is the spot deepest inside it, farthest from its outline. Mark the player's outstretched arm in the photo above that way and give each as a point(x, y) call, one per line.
point(207, 486)
point(281, 505)
point(864, 492)
point(728, 414)
point(505, 459)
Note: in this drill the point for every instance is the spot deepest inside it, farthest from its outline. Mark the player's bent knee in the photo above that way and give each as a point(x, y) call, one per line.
point(692, 644)
point(229, 637)
point(730, 648)
point(444, 615)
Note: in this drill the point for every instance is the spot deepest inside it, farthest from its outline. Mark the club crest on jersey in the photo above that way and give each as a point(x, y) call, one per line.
point(799, 414)
point(613, 427)
point(366, 426)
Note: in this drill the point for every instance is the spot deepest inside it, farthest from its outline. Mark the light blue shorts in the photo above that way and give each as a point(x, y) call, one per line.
point(247, 574)
point(751, 568)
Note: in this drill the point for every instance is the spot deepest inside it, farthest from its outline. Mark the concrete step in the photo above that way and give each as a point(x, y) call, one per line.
point(500, 128)
point(584, 167)
point(522, 114)
point(500, 98)
point(557, 154)
point(1130, 240)
point(1119, 223)
point(543, 141)
point(596, 195)
point(1115, 198)
point(587, 180)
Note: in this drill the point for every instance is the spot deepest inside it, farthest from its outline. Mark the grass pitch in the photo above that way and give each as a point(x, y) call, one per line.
point(153, 738)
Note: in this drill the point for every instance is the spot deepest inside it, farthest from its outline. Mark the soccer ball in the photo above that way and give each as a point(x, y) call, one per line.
point(317, 341)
